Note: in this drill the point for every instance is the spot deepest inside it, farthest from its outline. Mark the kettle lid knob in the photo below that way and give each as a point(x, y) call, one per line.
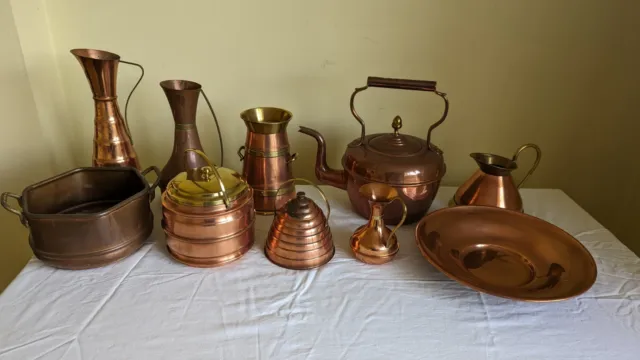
point(396, 124)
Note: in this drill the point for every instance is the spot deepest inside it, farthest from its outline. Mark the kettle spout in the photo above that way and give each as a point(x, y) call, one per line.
point(324, 173)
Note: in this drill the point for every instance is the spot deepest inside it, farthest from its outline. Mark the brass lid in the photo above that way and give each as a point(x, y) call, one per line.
point(206, 186)
point(394, 158)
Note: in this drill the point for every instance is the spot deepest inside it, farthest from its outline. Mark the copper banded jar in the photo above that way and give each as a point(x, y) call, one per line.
point(208, 215)
point(266, 157)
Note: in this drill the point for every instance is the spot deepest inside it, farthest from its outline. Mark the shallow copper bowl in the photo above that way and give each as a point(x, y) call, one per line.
point(506, 253)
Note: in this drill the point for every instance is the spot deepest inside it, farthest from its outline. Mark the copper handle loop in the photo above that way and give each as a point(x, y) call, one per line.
point(126, 106)
point(402, 84)
point(293, 158)
point(535, 163)
point(3, 200)
point(404, 217)
point(217, 126)
point(212, 166)
point(152, 188)
point(241, 153)
point(324, 197)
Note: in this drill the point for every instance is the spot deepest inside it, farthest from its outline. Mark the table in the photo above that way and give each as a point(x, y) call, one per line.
point(149, 306)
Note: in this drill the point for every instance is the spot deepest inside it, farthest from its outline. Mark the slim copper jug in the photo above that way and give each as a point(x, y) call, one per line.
point(266, 157)
point(373, 243)
point(112, 142)
point(300, 237)
point(492, 184)
point(183, 99)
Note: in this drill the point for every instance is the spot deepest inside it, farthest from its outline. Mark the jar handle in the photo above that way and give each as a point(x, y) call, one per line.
point(404, 217)
point(241, 152)
point(324, 196)
point(126, 105)
point(152, 188)
point(211, 166)
point(402, 84)
point(217, 126)
point(3, 200)
point(535, 163)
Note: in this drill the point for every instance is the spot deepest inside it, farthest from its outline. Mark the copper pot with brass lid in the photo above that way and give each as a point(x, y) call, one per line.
point(300, 237)
point(413, 166)
point(492, 184)
point(208, 215)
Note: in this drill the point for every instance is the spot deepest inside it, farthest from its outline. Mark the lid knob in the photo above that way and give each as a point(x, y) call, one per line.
point(396, 124)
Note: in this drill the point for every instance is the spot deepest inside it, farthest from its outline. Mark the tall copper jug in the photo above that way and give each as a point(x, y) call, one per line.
point(266, 157)
point(492, 184)
point(112, 143)
point(183, 99)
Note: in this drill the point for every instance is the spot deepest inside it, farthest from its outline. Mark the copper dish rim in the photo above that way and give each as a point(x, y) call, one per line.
point(494, 293)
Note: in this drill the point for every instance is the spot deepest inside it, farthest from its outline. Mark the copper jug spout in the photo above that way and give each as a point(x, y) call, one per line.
point(324, 173)
point(112, 143)
point(492, 184)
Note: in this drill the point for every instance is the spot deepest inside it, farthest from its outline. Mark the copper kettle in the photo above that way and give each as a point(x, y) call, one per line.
point(300, 237)
point(412, 165)
point(492, 184)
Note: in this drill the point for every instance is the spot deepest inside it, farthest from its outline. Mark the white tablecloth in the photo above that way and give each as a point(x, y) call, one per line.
point(149, 306)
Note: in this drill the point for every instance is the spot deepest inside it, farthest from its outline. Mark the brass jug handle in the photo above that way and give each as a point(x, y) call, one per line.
point(324, 196)
point(402, 84)
point(535, 163)
point(404, 217)
point(126, 105)
point(152, 188)
point(217, 126)
point(211, 166)
point(241, 152)
point(3, 200)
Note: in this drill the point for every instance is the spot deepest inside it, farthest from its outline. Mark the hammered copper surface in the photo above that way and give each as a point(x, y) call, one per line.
point(87, 217)
point(266, 157)
point(492, 184)
point(183, 99)
point(208, 215)
point(413, 166)
point(112, 143)
point(373, 243)
point(300, 237)
point(506, 253)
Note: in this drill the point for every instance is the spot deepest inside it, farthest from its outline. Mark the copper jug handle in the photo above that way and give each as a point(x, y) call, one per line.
point(126, 105)
point(217, 126)
point(152, 188)
point(214, 169)
point(404, 217)
point(535, 163)
point(324, 196)
point(3, 200)
point(402, 84)
point(241, 152)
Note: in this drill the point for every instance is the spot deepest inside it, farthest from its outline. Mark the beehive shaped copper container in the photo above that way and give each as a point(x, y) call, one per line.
point(300, 237)
point(208, 215)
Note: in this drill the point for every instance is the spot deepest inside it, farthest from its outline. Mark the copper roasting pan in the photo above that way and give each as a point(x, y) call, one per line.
point(506, 253)
point(87, 217)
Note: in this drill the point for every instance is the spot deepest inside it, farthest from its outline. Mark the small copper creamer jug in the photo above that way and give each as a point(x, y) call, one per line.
point(374, 243)
point(300, 237)
point(492, 184)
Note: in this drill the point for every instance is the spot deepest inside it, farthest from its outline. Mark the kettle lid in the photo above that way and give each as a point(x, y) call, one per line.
point(206, 186)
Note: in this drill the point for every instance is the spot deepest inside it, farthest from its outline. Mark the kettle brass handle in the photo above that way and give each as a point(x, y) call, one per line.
point(3, 200)
point(213, 168)
point(215, 119)
point(324, 196)
point(241, 152)
point(152, 188)
point(535, 163)
point(126, 105)
point(404, 217)
point(402, 84)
